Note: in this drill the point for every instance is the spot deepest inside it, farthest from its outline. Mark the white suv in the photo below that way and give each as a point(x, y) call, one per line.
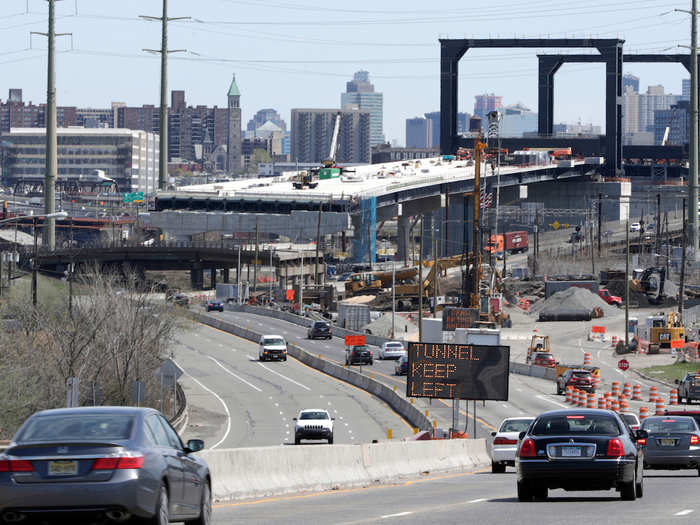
point(392, 350)
point(313, 423)
point(272, 347)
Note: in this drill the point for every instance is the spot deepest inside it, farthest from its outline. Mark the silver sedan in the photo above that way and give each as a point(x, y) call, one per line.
point(114, 463)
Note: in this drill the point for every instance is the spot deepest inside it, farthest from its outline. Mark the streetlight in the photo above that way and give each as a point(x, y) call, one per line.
point(57, 215)
point(393, 290)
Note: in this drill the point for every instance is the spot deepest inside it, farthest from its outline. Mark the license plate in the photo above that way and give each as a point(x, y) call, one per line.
point(571, 452)
point(668, 442)
point(63, 468)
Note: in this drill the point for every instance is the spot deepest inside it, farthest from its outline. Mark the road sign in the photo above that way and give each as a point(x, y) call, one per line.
point(458, 371)
point(598, 329)
point(354, 340)
point(623, 364)
point(677, 343)
point(136, 196)
point(556, 225)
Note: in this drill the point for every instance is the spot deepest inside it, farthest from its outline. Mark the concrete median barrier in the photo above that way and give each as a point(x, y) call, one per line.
point(268, 471)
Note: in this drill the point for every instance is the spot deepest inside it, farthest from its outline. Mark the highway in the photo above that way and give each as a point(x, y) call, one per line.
point(474, 498)
point(236, 401)
point(528, 396)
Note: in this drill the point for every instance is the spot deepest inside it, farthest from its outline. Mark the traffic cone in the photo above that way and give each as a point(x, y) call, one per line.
point(627, 390)
point(586, 358)
point(569, 394)
point(653, 394)
point(643, 413)
point(582, 398)
point(624, 406)
point(574, 396)
point(601, 403)
point(659, 406)
point(673, 399)
point(616, 389)
point(591, 400)
point(614, 405)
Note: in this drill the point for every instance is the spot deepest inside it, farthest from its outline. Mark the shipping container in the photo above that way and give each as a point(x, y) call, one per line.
point(353, 316)
point(513, 242)
point(552, 287)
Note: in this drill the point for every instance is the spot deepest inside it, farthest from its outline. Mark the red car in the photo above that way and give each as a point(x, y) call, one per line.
point(544, 359)
point(578, 378)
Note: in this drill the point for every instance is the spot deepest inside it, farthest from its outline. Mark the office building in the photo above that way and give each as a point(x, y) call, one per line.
point(631, 81)
point(677, 119)
point(685, 86)
point(312, 131)
point(483, 104)
point(387, 153)
point(266, 115)
point(419, 132)
point(127, 157)
point(638, 111)
point(360, 92)
point(517, 120)
point(434, 117)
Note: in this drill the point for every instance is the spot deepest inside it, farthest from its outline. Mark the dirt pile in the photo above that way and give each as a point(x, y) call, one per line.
point(572, 300)
point(382, 326)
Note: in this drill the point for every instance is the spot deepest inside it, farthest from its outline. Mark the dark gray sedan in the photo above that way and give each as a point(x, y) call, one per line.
point(672, 442)
point(122, 464)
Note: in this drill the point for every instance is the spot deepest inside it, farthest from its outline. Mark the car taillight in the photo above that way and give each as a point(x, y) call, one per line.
point(16, 465)
point(642, 441)
point(694, 440)
point(615, 449)
point(527, 449)
point(118, 463)
point(505, 441)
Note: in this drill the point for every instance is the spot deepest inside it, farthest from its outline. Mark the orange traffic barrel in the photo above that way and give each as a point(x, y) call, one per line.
point(614, 341)
point(659, 406)
point(627, 390)
point(574, 396)
point(624, 406)
point(673, 398)
point(569, 394)
point(637, 392)
point(601, 403)
point(591, 400)
point(614, 405)
point(586, 358)
point(596, 382)
point(653, 394)
point(643, 412)
point(581, 398)
point(616, 388)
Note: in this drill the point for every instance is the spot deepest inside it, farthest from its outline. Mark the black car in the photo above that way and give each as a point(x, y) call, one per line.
point(401, 366)
point(215, 305)
point(320, 329)
point(579, 450)
point(689, 388)
point(358, 355)
point(672, 442)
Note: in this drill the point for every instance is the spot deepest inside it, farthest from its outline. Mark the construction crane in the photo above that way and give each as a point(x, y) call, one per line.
point(328, 170)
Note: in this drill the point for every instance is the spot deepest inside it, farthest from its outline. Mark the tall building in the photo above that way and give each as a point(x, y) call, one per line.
point(128, 157)
point(266, 115)
point(483, 104)
point(234, 128)
point(360, 92)
point(631, 81)
point(312, 131)
point(517, 120)
point(419, 132)
point(434, 116)
point(685, 94)
point(638, 112)
point(677, 119)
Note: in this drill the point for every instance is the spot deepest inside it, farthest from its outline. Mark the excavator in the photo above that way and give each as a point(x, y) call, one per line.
point(651, 283)
point(328, 170)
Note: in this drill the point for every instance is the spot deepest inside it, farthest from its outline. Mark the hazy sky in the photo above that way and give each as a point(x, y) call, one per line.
point(288, 54)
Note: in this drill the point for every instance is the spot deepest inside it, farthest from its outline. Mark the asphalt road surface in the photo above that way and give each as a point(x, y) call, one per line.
point(236, 401)
point(669, 496)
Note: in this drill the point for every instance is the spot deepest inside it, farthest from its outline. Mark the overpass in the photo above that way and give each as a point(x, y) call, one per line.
point(366, 197)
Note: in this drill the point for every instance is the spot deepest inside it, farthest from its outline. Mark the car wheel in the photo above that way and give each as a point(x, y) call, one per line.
point(524, 491)
point(541, 493)
point(162, 515)
point(296, 440)
point(497, 468)
point(639, 487)
point(330, 440)
point(558, 390)
point(284, 358)
point(371, 362)
point(204, 509)
point(628, 490)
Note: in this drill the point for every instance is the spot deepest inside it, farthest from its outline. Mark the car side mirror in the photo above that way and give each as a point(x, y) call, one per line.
point(294, 419)
point(493, 434)
point(521, 435)
point(677, 381)
point(642, 434)
point(332, 419)
point(195, 445)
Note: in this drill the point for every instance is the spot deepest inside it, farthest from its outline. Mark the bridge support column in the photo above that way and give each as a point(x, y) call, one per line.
point(226, 275)
point(213, 278)
point(197, 277)
point(403, 241)
point(364, 222)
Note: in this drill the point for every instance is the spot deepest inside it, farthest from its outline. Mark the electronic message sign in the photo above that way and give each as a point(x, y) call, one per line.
point(458, 371)
point(459, 318)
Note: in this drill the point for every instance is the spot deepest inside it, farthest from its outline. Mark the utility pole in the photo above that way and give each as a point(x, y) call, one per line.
point(164, 52)
point(420, 282)
point(590, 223)
point(627, 284)
point(51, 164)
point(657, 232)
point(318, 241)
point(436, 273)
point(684, 244)
point(693, 175)
point(600, 224)
point(35, 262)
point(255, 264)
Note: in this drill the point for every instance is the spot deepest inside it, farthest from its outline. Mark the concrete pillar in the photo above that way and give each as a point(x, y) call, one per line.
point(197, 277)
point(213, 278)
point(364, 223)
point(226, 275)
point(428, 235)
point(404, 243)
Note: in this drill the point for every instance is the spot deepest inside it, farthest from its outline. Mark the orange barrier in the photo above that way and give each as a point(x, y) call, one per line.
point(574, 396)
point(601, 403)
point(659, 406)
point(607, 395)
point(616, 389)
point(637, 392)
point(614, 341)
point(614, 405)
point(596, 382)
point(643, 413)
point(673, 398)
point(624, 406)
point(591, 401)
point(627, 390)
point(586, 358)
point(569, 394)
point(653, 394)
point(608, 403)
point(582, 398)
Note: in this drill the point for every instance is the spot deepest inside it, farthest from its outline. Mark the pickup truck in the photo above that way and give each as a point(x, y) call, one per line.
point(606, 296)
point(689, 388)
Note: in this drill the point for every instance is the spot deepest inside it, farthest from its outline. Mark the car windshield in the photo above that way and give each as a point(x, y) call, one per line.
point(77, 427)
point(582, 375)
point(515, 425)
point(360, 348)
point(630, 419)
point(669, 424)
point(576, 424)
point(546, 357)
point(320, 325)
point(273, 341)
point(394, 346)
point(313, 415)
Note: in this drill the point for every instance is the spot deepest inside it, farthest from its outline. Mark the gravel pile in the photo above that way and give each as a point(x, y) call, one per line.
point(382, 326)
point(573, 299)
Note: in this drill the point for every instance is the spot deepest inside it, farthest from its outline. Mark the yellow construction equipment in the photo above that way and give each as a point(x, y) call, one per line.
point(538, 343)
point(659, 332)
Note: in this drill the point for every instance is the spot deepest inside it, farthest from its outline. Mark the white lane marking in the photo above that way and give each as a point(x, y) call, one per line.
point(228, 414)
point(397, 515)
point(683, 512)
point(281, 375)
point(545, 398)
point(618, 371)
point(518, 389)
point(504, 405)
point(235, 375)
point(477, 500)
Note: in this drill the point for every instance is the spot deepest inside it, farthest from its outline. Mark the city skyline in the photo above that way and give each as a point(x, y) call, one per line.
point(281, 63)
